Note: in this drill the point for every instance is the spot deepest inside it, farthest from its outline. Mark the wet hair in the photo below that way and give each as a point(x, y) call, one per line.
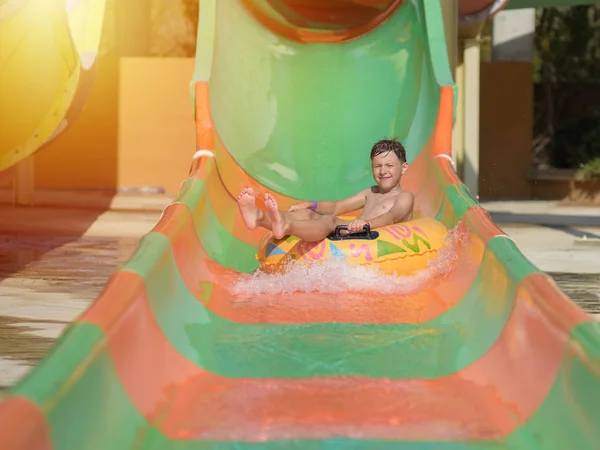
point(389, 145)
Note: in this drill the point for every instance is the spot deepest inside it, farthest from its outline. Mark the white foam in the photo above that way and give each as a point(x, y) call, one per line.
point(338, 275)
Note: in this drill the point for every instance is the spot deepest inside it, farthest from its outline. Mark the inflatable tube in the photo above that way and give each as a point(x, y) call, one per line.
point(400, 249)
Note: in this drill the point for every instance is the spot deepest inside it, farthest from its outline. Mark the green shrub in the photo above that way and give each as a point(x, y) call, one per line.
point(577, 142)
point(591, 169)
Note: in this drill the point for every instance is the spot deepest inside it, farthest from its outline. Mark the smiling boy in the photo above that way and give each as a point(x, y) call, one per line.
point(383, 204)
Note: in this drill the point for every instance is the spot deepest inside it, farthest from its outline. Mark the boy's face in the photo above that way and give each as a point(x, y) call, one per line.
point(388, 170)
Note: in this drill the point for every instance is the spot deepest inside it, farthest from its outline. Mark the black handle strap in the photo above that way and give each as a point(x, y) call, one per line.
point(366, 233)
point(366, 230)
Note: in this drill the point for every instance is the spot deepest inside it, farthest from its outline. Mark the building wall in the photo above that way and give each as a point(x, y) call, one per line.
point(157, 133)
point(506, 129)
point(137, 130)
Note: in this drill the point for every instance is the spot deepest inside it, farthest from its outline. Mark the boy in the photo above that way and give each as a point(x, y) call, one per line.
point(383, 204)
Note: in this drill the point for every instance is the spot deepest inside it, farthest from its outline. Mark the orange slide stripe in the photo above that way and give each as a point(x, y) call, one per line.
point(204, 123)
point(306, 36)
point(27, 424)
point(442, 140)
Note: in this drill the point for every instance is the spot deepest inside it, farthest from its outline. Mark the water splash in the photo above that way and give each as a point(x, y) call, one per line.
point(338, 275)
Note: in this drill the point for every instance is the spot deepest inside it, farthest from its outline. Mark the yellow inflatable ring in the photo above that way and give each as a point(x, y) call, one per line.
point(400, 249)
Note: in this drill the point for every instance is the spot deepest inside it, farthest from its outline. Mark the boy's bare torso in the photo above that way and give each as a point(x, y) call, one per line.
point(378, 203)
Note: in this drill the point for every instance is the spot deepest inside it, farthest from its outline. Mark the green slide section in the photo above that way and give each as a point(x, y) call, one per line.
point(170, 356)
point(296, 137)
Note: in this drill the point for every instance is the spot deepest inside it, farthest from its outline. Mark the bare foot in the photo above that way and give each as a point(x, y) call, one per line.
point(247, 204)
point(278, 226)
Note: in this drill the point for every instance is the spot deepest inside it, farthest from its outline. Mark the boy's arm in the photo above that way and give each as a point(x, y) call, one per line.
point(403, 206)
point(357, 201)
point(352, 203)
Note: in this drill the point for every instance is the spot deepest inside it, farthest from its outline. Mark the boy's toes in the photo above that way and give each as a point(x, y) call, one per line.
point(269, 198)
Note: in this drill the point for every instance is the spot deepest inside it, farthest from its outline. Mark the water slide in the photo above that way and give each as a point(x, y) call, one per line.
point(188, 347)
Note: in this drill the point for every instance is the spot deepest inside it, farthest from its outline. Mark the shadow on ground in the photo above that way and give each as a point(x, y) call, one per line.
point(551, 220)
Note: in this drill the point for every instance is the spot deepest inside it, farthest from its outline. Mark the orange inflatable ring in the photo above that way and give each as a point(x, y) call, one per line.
point(400, 249)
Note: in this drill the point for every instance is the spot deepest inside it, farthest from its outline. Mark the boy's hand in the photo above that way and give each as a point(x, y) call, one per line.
point(356, 225)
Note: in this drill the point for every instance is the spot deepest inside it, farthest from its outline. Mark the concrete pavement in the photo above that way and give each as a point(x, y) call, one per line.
point(555, 238)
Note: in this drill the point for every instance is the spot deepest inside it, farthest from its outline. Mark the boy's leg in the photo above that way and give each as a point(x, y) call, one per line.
point(310, 230)
point(313, 230)
point(254, 217)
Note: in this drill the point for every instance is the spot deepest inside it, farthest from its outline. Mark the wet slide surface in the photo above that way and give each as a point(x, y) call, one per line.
point(187, 349)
